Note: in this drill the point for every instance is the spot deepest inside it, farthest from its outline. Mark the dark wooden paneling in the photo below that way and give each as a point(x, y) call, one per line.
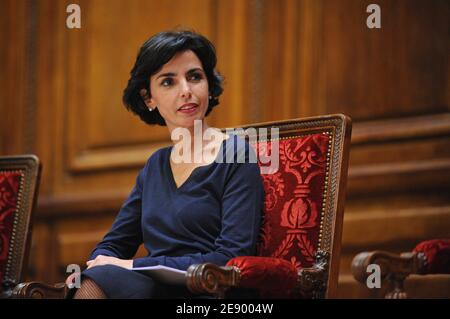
point(60, 97)
point(400, 69)
point(13, 54)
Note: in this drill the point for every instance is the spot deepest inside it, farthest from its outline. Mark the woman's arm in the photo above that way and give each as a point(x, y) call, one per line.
point(242, 204)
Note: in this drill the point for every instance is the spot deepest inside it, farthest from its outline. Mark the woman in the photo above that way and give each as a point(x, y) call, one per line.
point(185, 212)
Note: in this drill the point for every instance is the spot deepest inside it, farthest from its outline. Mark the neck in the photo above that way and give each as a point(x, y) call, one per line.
point(198, 129)
point(199, 143)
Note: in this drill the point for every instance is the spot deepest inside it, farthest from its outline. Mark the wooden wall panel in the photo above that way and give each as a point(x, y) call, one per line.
point(324, 59)
point(110, 136)
point(13, 62)
point(293, 73)
point(232, 40)
point(398, 70)
point(60, 97)
point(96, 142)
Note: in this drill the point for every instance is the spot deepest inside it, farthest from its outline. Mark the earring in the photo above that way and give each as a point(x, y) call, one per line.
point(150, 109)
point(210, 97)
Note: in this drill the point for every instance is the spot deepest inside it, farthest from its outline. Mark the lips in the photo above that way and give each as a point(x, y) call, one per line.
point(188, 107)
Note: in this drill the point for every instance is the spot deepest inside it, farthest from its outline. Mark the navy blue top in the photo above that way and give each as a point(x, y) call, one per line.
point(212, 217)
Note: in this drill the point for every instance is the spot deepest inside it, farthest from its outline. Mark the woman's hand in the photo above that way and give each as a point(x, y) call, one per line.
point(107, 260)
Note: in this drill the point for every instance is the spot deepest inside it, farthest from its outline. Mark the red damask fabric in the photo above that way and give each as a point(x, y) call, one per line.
point(292, 214)
point(437, 252)
point(294, 199)
point(272, 277)
point(9, 190)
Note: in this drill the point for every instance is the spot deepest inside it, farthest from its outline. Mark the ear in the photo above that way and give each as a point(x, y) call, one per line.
point(146, 98)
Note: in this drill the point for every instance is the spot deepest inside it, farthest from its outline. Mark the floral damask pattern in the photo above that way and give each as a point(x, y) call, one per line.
point(9, 189)
point(294, 199)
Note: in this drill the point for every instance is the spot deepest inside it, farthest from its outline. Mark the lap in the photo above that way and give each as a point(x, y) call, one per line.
point(117, 282)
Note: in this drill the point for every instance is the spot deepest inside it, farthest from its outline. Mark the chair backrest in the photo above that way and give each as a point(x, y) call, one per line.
point(19, 180)
point(304, 198)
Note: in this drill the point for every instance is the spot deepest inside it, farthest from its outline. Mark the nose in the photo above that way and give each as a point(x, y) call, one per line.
point(186, 92)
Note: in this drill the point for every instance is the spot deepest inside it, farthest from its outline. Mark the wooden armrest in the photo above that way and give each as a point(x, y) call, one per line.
point(212, 279)
point(393, 267)
point(38, 290)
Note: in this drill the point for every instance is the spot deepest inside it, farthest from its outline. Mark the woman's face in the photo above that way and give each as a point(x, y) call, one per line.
point(180, 91)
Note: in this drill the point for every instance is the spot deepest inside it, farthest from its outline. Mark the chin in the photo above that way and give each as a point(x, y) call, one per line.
point(188, 123)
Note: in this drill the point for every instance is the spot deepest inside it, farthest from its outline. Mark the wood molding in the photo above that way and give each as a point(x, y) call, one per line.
point(79, 204)
point(112, 158)
point(398, 129)
point(399, 177)
point(377, 163)
point(363, 229)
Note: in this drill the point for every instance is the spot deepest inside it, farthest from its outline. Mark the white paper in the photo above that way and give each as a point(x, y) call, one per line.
point(164, 274)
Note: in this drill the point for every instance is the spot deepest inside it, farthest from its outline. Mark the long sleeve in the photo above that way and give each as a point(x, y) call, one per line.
point(241, 209)
point(125, 235)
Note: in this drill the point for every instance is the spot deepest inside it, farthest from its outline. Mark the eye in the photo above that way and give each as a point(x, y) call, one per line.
point(196, 76)
point(167, 82)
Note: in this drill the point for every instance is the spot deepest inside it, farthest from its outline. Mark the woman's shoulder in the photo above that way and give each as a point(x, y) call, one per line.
point(157, 158)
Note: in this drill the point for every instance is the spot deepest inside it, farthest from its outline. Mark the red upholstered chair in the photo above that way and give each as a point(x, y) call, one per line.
point(299, 247)
point(19, 180)
point(428, 257)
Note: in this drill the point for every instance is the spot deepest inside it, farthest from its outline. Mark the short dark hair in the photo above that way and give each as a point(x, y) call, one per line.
point(157, 51)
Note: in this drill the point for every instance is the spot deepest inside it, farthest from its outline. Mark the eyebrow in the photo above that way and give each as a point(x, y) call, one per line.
point(169, 74)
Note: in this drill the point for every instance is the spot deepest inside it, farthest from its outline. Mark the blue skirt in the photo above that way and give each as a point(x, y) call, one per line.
point(120, 283)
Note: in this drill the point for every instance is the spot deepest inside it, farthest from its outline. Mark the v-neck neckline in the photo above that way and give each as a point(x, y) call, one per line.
point(170, 172)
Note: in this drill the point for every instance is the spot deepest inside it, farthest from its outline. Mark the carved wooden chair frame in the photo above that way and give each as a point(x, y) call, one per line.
point(320, 280)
